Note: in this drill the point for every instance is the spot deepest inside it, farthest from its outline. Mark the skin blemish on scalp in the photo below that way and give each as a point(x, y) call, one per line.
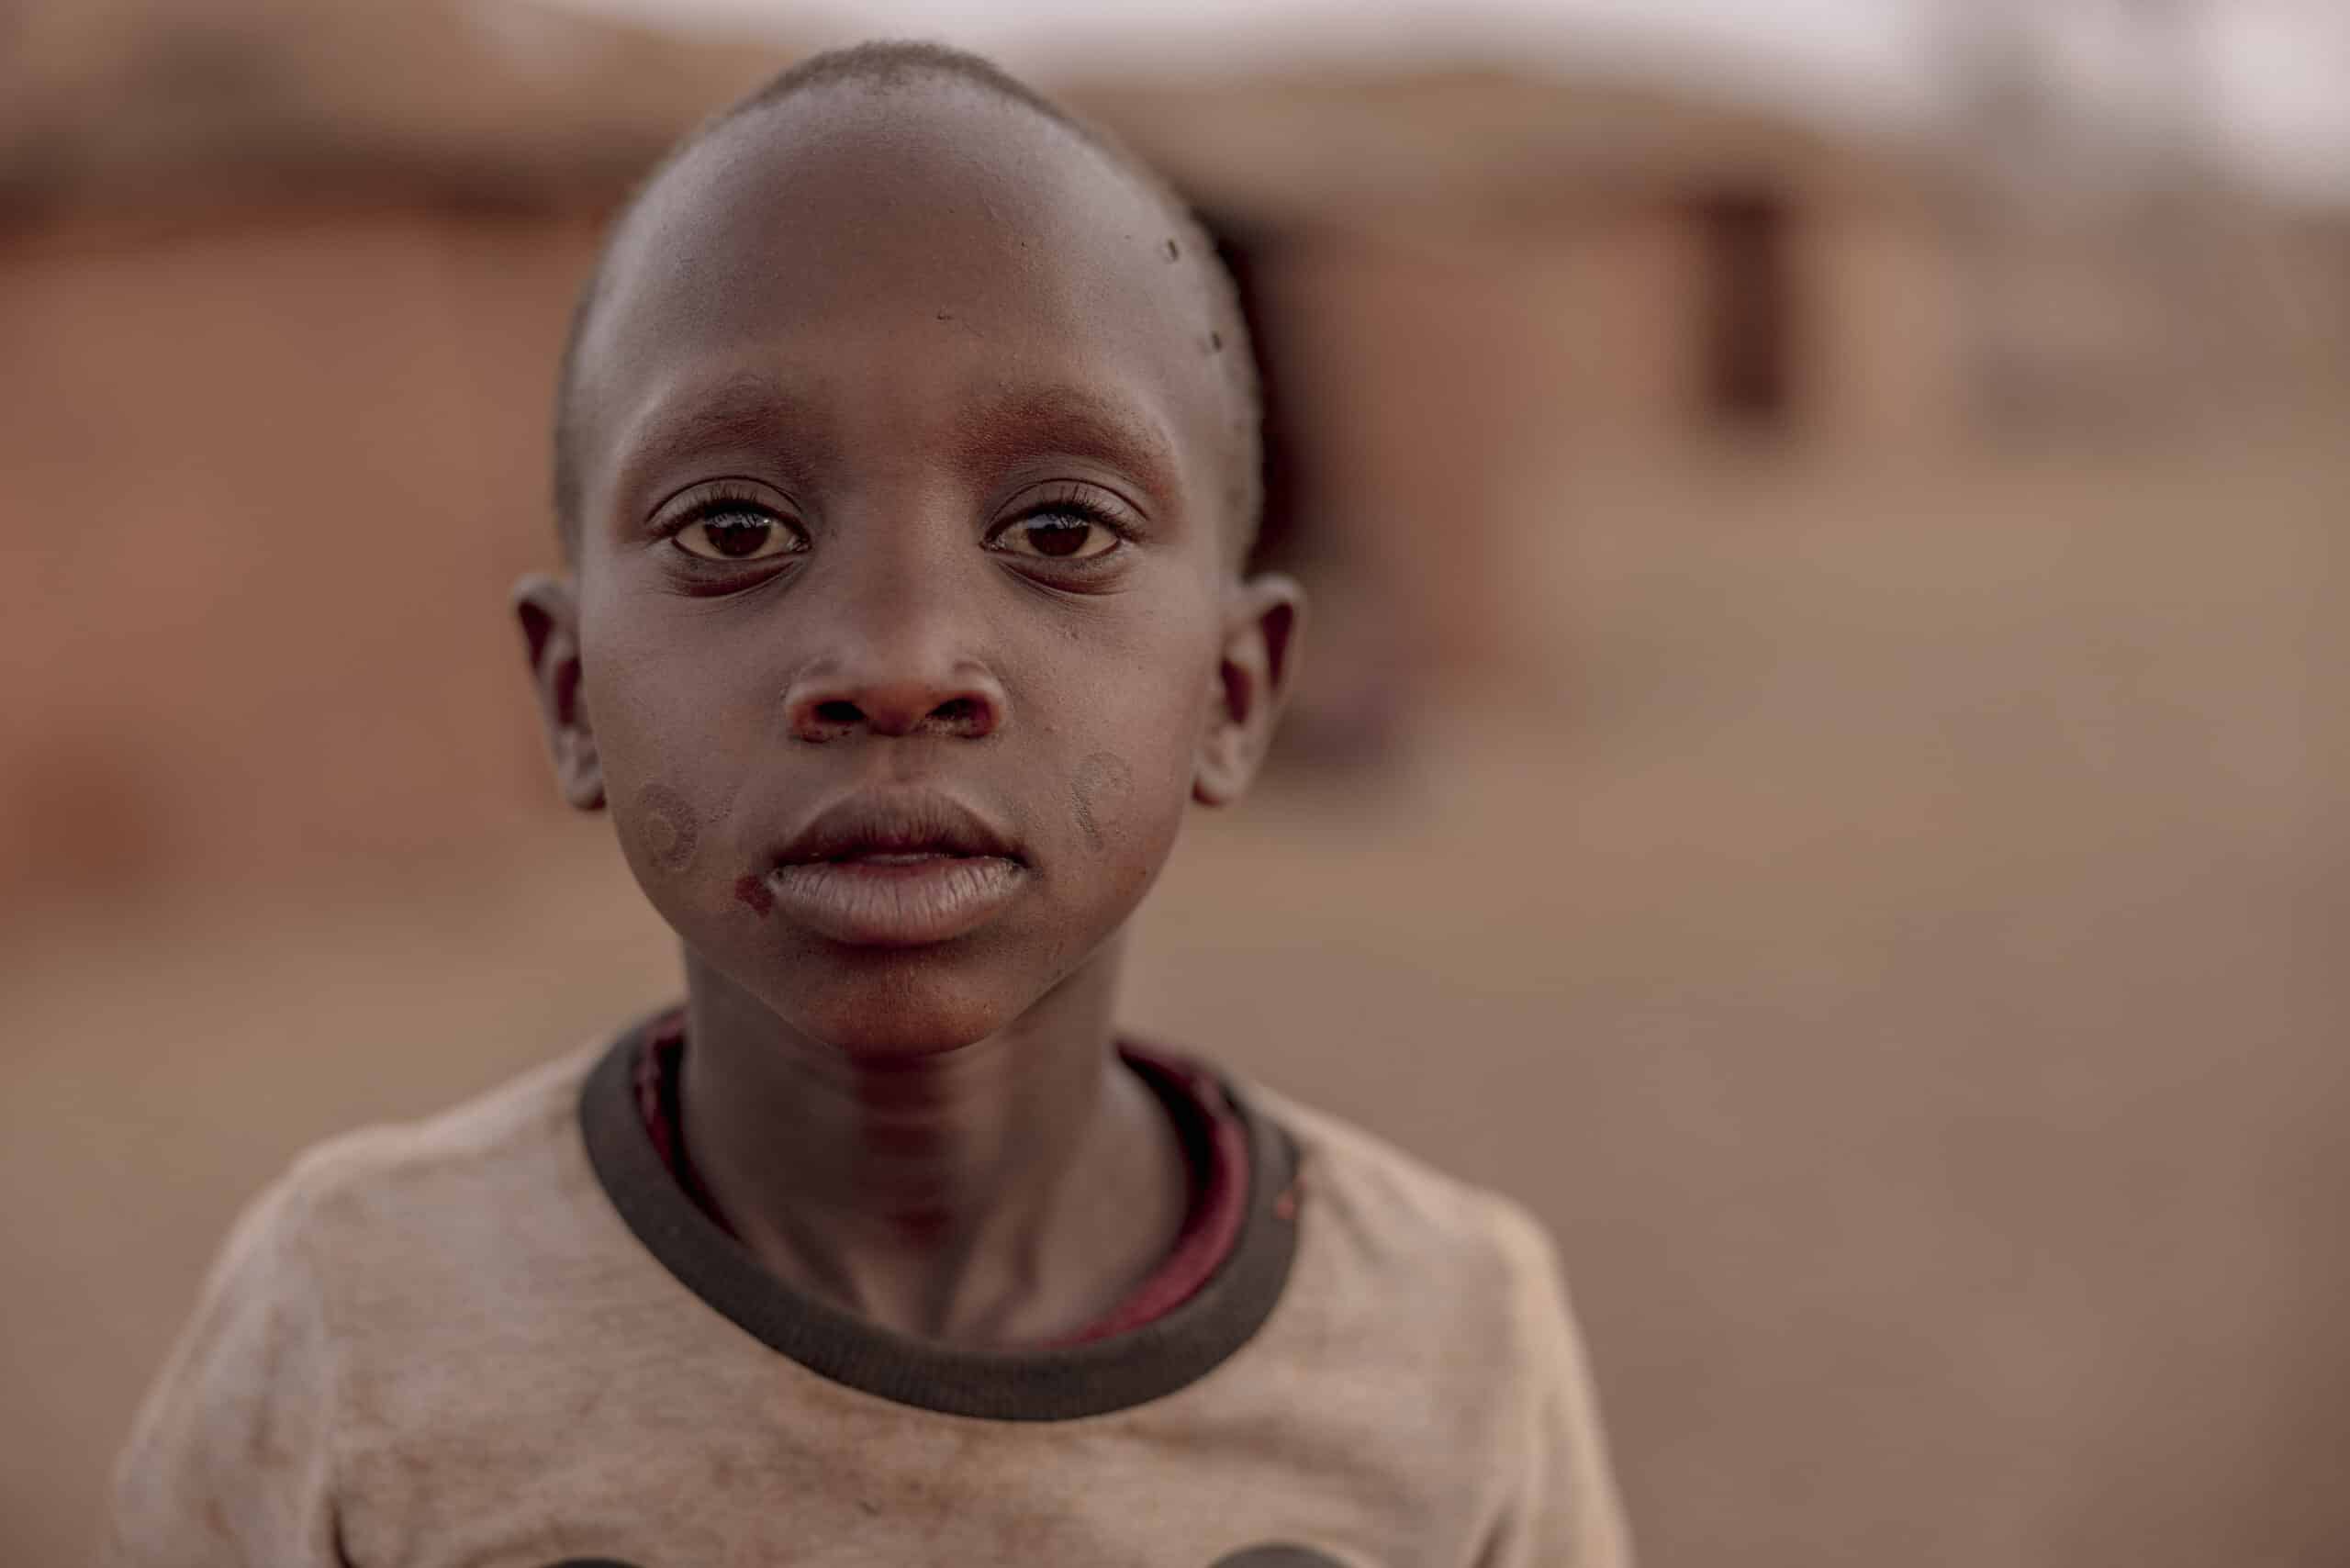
point(950, 316)
point(1104, 778)
point(1174, 252)
point(751, 891)
point(670, 830)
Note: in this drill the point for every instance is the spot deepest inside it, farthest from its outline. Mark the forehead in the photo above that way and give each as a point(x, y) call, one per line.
point(925, 233)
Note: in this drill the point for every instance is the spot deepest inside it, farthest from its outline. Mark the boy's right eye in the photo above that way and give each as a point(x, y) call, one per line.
point(731, 521)
point(736, 535)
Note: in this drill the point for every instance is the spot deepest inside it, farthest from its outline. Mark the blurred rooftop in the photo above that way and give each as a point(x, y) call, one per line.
point(107, 101)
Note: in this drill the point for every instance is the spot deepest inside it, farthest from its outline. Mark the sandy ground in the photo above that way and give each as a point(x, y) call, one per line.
point(1889, 927)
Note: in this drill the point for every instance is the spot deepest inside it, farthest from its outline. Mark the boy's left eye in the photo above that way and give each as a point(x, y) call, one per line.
point(1066, 521)
point(1055, 536)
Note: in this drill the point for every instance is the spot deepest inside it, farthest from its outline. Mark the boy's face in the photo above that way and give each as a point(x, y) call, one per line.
point(904, 621)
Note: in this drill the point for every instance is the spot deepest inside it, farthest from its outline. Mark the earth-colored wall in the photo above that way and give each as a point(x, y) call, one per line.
point(268, 474)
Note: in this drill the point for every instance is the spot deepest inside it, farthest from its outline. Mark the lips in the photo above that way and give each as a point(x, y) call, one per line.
point(895, 870)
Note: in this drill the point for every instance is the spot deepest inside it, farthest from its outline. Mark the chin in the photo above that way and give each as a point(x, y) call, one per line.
point(878, 1004)
point(896, 1012)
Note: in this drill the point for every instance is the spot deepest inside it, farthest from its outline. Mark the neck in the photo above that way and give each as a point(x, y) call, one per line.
point(1005, 1192)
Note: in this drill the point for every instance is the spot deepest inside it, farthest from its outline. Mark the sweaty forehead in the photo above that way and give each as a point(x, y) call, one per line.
point(923, 224)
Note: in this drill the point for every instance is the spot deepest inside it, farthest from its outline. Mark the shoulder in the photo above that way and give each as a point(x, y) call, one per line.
point(1414, 1291)
point(1429, 1286)
point(504, 1124)
point(389, 1236)
point(370, 1245)
point(1455, 1249)
point(382, 1198)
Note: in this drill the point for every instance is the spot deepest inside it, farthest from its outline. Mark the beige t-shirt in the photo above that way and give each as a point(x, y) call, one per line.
point(506, 1338)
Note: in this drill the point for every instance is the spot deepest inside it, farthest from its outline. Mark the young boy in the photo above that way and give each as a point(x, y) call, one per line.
point(906, 463)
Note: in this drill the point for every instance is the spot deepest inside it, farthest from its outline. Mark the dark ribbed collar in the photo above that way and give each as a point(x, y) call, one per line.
point(1053, 1385)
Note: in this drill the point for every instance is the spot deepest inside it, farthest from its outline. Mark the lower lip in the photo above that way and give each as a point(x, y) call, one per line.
point(895, 903)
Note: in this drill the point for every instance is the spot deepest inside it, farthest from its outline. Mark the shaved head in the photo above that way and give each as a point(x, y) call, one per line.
point(746, 131)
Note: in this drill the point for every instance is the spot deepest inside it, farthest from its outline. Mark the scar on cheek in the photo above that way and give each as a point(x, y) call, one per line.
point(1104, 779)
point(668, 827)
point(751, 889)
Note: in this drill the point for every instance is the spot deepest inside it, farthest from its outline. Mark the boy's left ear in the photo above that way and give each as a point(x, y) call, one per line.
point(1261, 621)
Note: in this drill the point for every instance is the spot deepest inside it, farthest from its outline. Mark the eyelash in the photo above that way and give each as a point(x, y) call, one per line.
point(723, 500)
point(1070, 499)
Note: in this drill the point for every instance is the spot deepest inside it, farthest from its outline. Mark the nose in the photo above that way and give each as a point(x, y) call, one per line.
point(838, 700)
point(896, 642)
point(897, 660)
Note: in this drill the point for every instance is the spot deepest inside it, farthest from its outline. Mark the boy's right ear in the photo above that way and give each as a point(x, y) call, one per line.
point(549, 611)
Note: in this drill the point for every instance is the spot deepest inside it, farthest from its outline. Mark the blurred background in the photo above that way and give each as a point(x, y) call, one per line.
point(1821, 764)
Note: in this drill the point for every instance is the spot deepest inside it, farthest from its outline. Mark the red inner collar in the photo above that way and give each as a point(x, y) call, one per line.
point(1214, 1143)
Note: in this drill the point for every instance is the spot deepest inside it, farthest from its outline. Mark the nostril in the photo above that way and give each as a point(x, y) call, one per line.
point(886, 708)
point(957, 713)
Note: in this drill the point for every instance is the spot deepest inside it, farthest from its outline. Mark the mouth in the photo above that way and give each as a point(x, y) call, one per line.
point(899, 871)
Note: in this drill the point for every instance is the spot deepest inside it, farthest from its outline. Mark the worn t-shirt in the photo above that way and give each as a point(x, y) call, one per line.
point(509, 1337)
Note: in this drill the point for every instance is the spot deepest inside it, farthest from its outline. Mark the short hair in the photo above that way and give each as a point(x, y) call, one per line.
point(889, 64)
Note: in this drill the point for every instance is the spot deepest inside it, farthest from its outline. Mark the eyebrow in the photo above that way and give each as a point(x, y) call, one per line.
point(746, 411)
point(754, 411)
point(1074, 420)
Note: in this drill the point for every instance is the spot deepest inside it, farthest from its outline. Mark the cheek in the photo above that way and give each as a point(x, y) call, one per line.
point(1104, 784)
point(670, 774)
point(674, 833)
point(663, 829)
point(1132, 753)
